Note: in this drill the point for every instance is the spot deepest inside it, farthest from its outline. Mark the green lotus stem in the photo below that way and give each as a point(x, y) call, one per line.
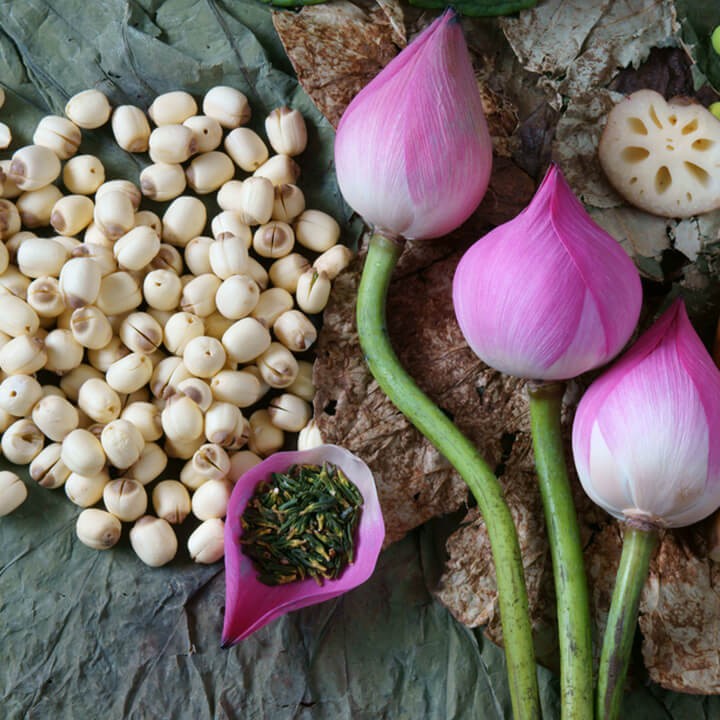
point(638, 546)
point(381, 259)
point(571, 592)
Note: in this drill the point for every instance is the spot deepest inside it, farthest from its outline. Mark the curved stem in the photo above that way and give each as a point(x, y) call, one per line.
point(433, 423)
point(638, 547)
point(573, 608)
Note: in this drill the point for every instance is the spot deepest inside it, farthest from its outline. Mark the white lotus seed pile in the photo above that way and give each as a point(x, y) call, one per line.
point(127, 338)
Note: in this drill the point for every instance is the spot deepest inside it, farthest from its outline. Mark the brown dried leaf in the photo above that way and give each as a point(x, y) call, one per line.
point(337, 49)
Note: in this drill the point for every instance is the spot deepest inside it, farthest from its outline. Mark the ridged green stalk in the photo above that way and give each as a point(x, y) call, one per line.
point(380, 262)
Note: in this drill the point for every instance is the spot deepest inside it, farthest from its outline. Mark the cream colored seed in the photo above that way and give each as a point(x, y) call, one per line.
point(102, 358)
point(114, 213)
point(229, 196)
point(226, 426)
point(285, 272)
point(64, 352)
point(162, 289)
point(277, 366)
point(21, 442)
point(204, 356)
point(167, 258)
point(279, 170)
point(206, 131)
point(206, 544)
point(286, 131)
point(163, 181)
point(211, 461)
point(211, 499)
point(184, 219)
point(71, 383)
point(95, 236)
point(189, 477)
point(141, 333)
point(197, 255)
point(303, 386)
point(5, 136)
point(246, 340)
point(83, 174)
point(295, 331)
point(153, 541)
point(271, 305)
point(81, 283)
point(237, 296)
point(316, 230)
point(150, 465)
point(59, 134)
point(172, 107)
point(333, 261)
point(246, 148)
point(9, 219)
point(88, 109)
point(227, 105)
point(309, 437)
point(198, 391)
point(274, 240)
point(241, 462)
point(90, 327)
point(119, 293)
point(40, 257)
point(216, 325)
point(129, 373)
point(5, 248)
point(18, 394)
point(149, 218)
point(313, 291)
point(265, 438)
point(254, 370)
point(167, 376)
point(183, 449)
point(6, 420)
point(208, 171)
point(122, 443)
point(13, 492)
point(126, 187)
point(45, 298)
point(99, 401)
point(23, 355)
point(98, 529)
point(198, 296)
point(33, 167)
point(131, 128)
point(136, 248)
point(55, 417)
point(237, 387)
point(171, 144)
point(83, 453)
point(182, 419)
point(17, 317)
point(255, 201)
point(180, 329)
point(52, 390)
point(36, 206)
point(8, 189)
point(258, 273)
point(86, 490)
point(228, 257)
point(72, 214)
point(289, 412)
point(125, 498)
point(47, 469)
point(171, 501)
point(229, 224)
point(146, 418)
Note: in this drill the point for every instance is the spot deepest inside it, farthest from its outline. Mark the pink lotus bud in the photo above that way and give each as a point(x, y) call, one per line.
point(646, 436)
point(413, 154)
point(549, 294)
point(249, 604)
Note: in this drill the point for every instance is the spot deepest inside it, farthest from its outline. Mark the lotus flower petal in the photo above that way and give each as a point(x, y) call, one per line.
point(646, 436)
point(549, 294)
point(249, 604)
point(413, 153)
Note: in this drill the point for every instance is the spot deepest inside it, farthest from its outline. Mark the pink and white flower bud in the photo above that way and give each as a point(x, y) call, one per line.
point(413, 154)
point(646, 436)
point(549, 294)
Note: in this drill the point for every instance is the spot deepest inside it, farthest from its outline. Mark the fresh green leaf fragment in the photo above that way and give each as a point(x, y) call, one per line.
point(715, 39)
point(478, 8)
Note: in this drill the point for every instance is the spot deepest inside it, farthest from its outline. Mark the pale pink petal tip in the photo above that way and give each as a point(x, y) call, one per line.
point(249, 604)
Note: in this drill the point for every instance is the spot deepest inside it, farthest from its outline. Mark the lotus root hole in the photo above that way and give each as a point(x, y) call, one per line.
point(633, 180)
point(692, 126)
point(635, 154)
point(663, 180)
point(688, 195)
point(672, 120)
point(697, 172)
point(702, 144)
point(654, 117)
point(637, 126)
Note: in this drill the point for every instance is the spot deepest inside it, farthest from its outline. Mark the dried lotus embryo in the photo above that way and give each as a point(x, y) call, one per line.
point(663, 156)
